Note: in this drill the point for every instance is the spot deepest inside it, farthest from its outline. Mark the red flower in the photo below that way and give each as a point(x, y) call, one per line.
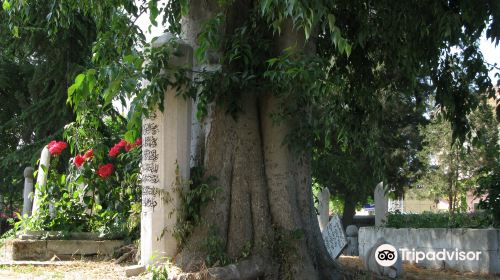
point(122, 143)
point(56, 147)
point(105, 171)
point(129, 147)
point(138, 142)
point(88, 154)
point(79, 160)
point(113, 152)
point(52, 143)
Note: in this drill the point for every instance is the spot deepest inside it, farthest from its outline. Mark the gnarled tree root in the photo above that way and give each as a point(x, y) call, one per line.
point(244, 270)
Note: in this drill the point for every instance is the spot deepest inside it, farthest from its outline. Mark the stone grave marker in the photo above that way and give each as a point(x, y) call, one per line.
point(381, 205)
point(41, 179)
point(166, 138)
point(334, 237)
point(28, 189)
point(323, 208)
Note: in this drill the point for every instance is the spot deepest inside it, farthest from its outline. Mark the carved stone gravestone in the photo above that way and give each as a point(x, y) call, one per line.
point(41, 179)
point(165, 163)
point(334, 237)
point(323, 208)
point(28, 190)
point(381, 205)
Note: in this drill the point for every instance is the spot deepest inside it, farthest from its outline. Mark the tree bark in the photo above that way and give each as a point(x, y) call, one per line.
point(349, 210)
point(265, 198)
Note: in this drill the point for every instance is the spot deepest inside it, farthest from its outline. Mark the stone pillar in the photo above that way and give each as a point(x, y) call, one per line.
point(28, 189)
point(41, 179)
point(166, 138)
point(381, 205)
point(323, 208)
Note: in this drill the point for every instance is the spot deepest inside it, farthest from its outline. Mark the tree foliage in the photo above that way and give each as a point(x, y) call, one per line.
point(36, 67)
point(352, 94)
point(452, 169)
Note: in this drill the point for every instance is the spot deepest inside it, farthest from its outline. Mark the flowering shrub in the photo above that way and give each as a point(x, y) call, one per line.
point(97, 192)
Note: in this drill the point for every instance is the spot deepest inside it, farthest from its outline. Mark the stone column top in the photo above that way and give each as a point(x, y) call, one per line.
point(28, 172)
point(182, 55)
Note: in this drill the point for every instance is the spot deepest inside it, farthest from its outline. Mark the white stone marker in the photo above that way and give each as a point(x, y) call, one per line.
point(166, 138)
point(381, 205)
point(41, 179)
point(334, 237)
point(323, 208)
point(28, 189)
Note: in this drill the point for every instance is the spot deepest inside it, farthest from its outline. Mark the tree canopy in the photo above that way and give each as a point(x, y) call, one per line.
point(345, 81)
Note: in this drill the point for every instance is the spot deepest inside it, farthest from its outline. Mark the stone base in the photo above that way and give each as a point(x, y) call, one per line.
point(134, 270)
point(59, 235)
point(42, 250)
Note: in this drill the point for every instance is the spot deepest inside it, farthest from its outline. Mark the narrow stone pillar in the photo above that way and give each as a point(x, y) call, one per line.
point(381, 205)
point(28, 190)
point(41, 179)
point(166, 138)
point(323, 208)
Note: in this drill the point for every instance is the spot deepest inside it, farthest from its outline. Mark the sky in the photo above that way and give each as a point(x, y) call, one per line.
point(491, 54)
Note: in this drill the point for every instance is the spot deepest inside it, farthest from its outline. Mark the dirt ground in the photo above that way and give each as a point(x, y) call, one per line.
point(68, 270)
point(412, 272)
point(107, 270)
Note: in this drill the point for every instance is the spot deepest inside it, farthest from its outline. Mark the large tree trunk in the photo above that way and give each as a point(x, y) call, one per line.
point(349, 210)
point(265, 198)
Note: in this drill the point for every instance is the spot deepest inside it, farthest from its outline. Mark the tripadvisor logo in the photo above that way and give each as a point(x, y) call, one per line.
point(387, 255)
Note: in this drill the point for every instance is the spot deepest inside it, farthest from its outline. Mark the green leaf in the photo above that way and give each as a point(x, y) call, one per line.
point(307, 31)
point(6, 5)
point(91, 82)
point(71, 90)
point(130, 136)
point(331, 21)
point(153, 12)
point(79, 80)
point(15, 32)
point(348, 49)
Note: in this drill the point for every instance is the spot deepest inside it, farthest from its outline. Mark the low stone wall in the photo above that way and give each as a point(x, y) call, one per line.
point(42, 250)
point(485, 241)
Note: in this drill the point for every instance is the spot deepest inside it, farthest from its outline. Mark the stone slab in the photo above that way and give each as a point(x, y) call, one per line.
point(36, 263)
point(134, 270)
point(58, 235)
point(41, 250)
point(334, 237)
point(83, 247)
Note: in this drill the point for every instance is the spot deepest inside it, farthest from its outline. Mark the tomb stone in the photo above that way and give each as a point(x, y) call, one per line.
point(166, 140)
point(334, 237)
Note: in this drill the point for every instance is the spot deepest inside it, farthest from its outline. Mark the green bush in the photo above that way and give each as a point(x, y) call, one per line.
point(439, 220)
point(95, 193)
